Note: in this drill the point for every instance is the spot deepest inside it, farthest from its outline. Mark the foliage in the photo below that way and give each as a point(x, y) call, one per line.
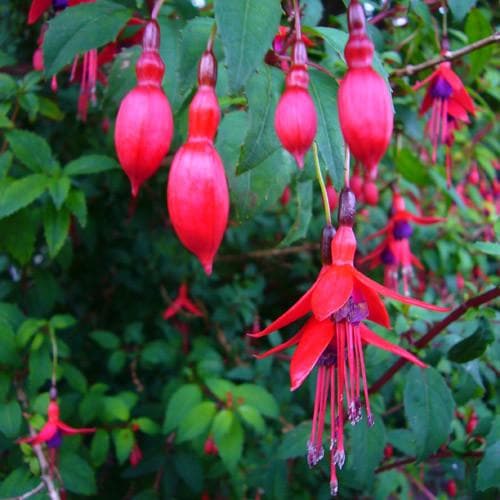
point(82, 264)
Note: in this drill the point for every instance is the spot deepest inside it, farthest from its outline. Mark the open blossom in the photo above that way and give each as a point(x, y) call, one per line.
point(182, 302)
point(450, 105)
point(332, 339)
point(394, 252)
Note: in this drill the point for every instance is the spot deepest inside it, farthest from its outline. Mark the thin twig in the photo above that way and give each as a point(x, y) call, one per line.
point(29, 493)
point(447, 56)
point(435, 330)
point(271, 252)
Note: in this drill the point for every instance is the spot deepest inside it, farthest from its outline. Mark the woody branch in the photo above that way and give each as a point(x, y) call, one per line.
point(435, 330)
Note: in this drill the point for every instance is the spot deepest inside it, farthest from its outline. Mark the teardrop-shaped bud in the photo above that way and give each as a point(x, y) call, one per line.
point(370, 192)
point(364, 100)
point(331, 194)
point(295, 119)
point(144, 125)
point(198, 199)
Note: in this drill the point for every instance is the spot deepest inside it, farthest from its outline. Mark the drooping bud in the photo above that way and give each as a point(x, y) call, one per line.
point(364, 100)
point(331, 194)
point(295, 119)
point(197, 193)
point(347, 207)
point(326, 244)
point(144, 124)
point(370, 193)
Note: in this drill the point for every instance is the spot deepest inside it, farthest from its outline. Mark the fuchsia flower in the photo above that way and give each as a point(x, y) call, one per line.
point(53, 431)
point(449, 103)
point(182, 302)
point(332, 339)
point(395, 252)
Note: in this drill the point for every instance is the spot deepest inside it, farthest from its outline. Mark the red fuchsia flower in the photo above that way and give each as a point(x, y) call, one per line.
point(332, 339)
point(364, 100)
point(182, 302)
point(136, 455)
point(197, 192)
point(144, 125)
point(370, 193)
point(395, 252)
point(210, 448)
point(449, 103)
point(285, 196)
point(295, 119)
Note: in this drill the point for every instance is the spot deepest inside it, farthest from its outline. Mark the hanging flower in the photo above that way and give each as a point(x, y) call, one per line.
point(182, 302)
point(394, 252)
point(449, 103)
point(332, 339)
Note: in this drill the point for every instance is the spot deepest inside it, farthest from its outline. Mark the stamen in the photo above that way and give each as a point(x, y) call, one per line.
point(369, 415)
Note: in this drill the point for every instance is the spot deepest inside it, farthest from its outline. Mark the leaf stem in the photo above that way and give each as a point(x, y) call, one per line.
point(319, 176)
point(211, 38)
point(298, 29)
point(55, 355)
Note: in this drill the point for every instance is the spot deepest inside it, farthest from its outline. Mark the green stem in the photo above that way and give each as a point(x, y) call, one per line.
point(55, 356)
point(326, 205)
point(211, 38)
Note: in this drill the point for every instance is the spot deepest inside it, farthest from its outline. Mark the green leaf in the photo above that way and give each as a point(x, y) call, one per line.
point(5, 163)
point(59, 189)
point(488, 471)
point(99, 447)
point(77, 205)
point(329, 137)
point(115, 408)
point(294, 443)
point(230, 445)
point(147, 425)
point(122, 77)
point(299, 228)
point(189, 468)
point(411, 168)
point(40, 367)
point(105, 339)
point(222, 424)
point(247, 29)
point(62, 321)
point(259, 398)
point(253, 418)
point(476, 28)
point(263, 92)
point(90, 164)
point(459, 8)
point(80, 29)
point(367, 450)
point(487, 247)
point(50, 109)
point(77, 475)
point(196, 422)
point(312, 12)
point(253, 190)
point(220, 388)
point(76, 379)
point(124, 441)
point(19, 234)
point(20, 193)
point(29, 103)
point(403, 440)
point(8, 86)
point(429, 408)
point(180, 404)
point(27, 329)
point(116, 361)
point(30, 149)
point(473, 346)
point(10, 419)
point(17, 483)
point(8, 352)
point(56, 227)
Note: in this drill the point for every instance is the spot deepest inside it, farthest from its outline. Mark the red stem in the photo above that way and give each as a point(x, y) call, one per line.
point(435, 330)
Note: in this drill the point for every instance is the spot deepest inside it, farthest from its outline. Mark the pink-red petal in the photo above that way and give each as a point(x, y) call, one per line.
point(382, 290)
point(316, 335)
point(46, 433)
point(281, 347)
point(66, 429)
point(37, 8)
point(332, 291)
point(372, 338)
point(376, 308)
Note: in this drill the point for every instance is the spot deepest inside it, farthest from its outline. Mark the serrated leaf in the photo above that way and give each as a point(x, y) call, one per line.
point(476, 28)
point(196, 422)
point(261, 141)
point(10, 419)
point(19, 234)
point(247, 29)
point(230, 445)
point(124, 441)
point(8, 86)
point(429, 408)
point(56, 227)
point(77, 205)
point(220, 387)
point(303, 217)
point(180, 404)
point(21, 192)
point(77, 475)
point(259, 398)
point(80, 29)
point(323, 90)
point(30, 149)
point(90, 164)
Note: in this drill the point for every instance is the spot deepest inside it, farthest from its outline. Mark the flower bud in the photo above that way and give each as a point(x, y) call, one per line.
point(295, 119)
point(144, 124)
point(331, 194)
point(364, 101)
point(347, 207)
point(370, 192)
